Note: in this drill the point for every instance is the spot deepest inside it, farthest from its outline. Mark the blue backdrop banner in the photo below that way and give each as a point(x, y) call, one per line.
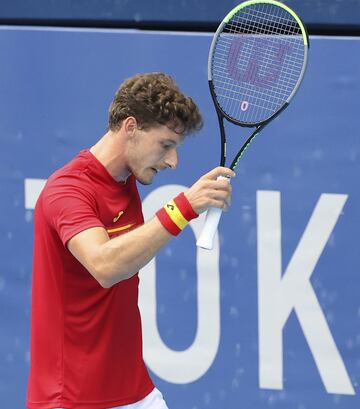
point(270, 317)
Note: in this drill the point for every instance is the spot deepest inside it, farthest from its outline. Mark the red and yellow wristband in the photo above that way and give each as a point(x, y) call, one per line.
point(176, 214)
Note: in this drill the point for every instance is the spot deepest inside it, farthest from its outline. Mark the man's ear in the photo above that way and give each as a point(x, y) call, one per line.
point(130, 126)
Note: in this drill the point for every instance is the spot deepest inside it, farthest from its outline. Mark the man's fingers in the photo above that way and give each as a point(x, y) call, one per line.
point(220, 171)
point(220, 184)
point(211, 191)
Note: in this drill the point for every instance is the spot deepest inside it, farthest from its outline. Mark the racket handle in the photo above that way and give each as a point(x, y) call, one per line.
point(207, 235)
point(212, 219)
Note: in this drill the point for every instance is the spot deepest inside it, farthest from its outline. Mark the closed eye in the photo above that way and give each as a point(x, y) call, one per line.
point(167, 145)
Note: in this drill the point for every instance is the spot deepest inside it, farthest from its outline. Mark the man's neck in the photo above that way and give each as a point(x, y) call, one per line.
point(110, 153)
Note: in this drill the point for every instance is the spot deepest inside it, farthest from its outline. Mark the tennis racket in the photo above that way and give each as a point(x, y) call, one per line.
point(257, 61)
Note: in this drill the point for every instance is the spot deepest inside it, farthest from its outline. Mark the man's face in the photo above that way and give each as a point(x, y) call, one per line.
point(152, 150)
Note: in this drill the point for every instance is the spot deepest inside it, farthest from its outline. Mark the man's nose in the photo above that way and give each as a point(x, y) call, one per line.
point(171, 160)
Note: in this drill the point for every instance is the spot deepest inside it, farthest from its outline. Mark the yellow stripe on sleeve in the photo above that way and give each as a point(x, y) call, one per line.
point(119, 228)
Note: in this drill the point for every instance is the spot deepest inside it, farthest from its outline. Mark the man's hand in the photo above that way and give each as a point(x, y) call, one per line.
point(209, 191)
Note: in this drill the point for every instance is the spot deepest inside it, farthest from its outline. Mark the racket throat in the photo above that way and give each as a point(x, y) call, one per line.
point(223, 140)
point(237, 158)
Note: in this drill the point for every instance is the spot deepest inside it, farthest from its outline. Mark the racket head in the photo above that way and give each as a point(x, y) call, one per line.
point(257, 61)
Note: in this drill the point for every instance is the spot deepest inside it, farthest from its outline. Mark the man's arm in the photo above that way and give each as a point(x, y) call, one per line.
point(111, 261)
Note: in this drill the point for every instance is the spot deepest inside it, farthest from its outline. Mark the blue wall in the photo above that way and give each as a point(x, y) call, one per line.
point(55, 87)
point(190, 12)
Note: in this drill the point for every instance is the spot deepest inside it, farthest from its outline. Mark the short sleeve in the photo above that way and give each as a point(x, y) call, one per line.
point(69, 208)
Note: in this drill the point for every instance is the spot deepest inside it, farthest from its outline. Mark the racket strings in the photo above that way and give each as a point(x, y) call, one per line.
point(271, 19)
point(274, 97)
point(287, 86)
point(257, 62)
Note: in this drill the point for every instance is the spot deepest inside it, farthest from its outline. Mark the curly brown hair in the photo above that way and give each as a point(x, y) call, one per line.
point(153, 99)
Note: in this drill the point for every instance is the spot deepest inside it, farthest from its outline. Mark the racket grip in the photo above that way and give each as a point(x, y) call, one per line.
point(206, 239)
point(207, 235)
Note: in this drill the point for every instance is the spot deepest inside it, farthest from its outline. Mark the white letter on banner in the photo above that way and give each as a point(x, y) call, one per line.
point(192, 363)
point(280, 294)
point(33, 188)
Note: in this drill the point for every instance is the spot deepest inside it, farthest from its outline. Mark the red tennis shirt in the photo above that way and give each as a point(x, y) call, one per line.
point(86, 342)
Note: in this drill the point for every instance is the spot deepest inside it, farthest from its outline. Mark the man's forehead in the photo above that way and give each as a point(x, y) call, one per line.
point(172, 136)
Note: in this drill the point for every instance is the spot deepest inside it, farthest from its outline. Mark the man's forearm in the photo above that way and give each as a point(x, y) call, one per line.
point(125, 255)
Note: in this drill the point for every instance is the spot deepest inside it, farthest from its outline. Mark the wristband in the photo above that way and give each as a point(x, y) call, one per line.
point(176, 214)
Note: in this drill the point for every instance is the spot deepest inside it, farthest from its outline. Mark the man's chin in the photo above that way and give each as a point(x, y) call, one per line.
point(145, 180)
point(145, 177)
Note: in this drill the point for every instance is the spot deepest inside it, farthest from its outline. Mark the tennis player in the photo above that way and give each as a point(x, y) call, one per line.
point(90, 241)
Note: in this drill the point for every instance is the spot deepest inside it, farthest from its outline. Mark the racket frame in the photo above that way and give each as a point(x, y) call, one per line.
point(220, 113)
point(213, 214)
